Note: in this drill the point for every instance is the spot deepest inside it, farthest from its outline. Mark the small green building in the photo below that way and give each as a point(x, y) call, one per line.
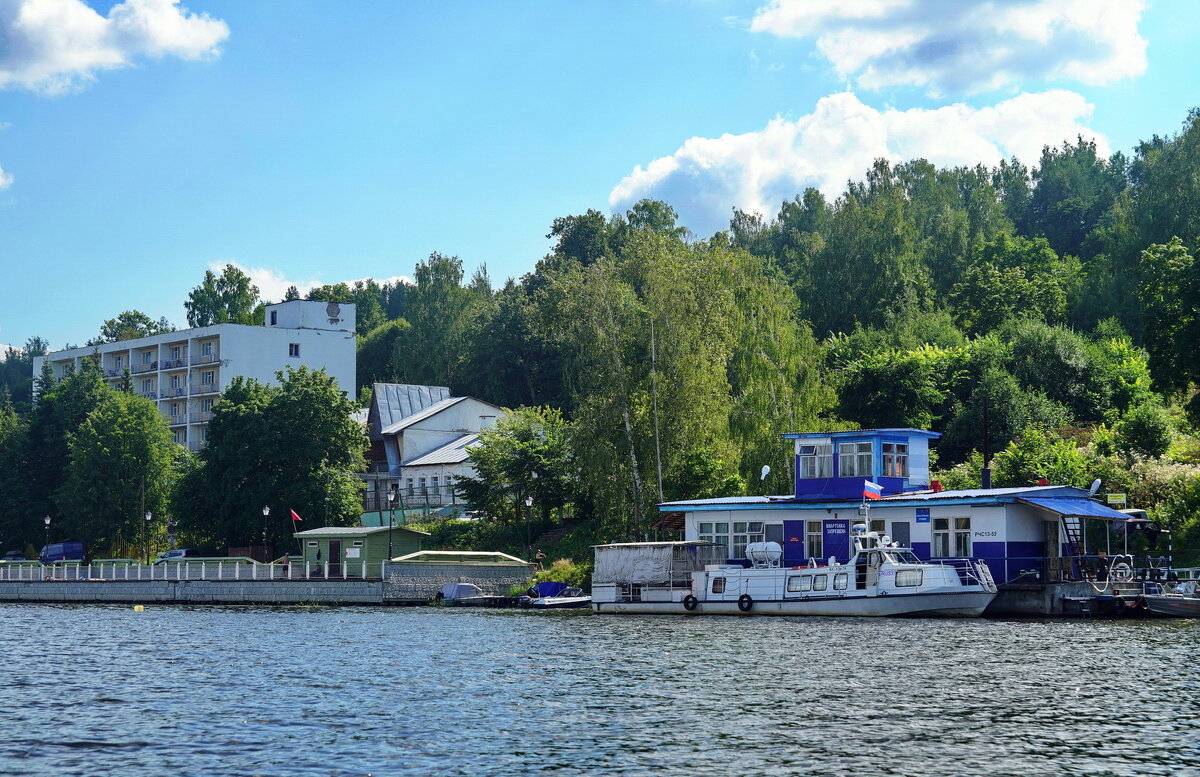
point(345, 548)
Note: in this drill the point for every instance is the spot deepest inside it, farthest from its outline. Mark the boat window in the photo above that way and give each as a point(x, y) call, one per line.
point(909, 578)
point(820, 582)
point(816, 461)
point(906, 557)
point(804, 583)
point(793, 584)
point(718, 585)
point(840, 581)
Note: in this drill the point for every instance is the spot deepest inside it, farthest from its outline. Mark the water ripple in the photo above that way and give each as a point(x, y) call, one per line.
point(321, 691)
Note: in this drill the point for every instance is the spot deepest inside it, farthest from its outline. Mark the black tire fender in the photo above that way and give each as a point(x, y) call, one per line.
point(745, 602)
point(689, 602)
point(1119, 603)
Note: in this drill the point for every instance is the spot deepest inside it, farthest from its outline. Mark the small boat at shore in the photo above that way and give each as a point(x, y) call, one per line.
point(880, 578)
point(566, 599)
point(1181, 601)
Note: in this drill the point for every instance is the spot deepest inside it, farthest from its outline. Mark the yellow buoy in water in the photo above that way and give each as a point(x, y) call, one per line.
point(138, 608)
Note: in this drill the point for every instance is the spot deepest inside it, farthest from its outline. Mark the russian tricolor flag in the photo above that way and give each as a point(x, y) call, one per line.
point(872, 490)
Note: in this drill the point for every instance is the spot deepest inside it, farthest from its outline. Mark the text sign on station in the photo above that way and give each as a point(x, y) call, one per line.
point(922, 515)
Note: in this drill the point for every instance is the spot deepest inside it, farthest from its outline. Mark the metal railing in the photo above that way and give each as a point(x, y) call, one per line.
point(411, 498)
point(184, 570)
point(205, 388)
point(210, 358)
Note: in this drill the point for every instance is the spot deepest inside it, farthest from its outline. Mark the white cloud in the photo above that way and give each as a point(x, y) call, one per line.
point(965, 46)
point(839, 141)
point(55, 46)
point(5, 179)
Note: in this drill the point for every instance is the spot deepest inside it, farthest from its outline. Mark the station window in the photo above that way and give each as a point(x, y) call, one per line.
point(813, 545)
point(895, 459)
point(854, 460)
point(274, 317)
point(715, 532)
point(877, 525)
point(840, 581)
point(293, 349)
point(745, 532)
point(718, 585)
point(909, 578)
point(820, 582)
point(952, 537)
point(816, 461)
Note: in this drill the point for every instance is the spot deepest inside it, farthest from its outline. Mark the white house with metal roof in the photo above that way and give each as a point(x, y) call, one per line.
point(420, 436)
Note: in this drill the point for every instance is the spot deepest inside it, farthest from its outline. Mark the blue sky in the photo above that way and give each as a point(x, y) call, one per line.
point(145, 142)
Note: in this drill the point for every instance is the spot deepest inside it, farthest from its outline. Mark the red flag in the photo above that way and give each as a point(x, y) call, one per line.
point(296, 517)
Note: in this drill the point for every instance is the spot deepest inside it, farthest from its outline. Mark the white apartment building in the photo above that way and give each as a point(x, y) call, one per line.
point(186, 372)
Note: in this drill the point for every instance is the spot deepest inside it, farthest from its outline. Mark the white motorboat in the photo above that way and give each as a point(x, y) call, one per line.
point(879, 579)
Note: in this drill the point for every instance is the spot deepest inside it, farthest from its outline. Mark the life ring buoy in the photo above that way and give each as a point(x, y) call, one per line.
point(1121, 572)
point(745, 602)
point(689, 602)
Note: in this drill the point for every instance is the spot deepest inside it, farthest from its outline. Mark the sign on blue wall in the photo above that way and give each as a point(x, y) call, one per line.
point(837, 539)
point(922, 515)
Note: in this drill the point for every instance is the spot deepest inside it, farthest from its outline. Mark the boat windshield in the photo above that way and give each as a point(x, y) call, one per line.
point(903, 557)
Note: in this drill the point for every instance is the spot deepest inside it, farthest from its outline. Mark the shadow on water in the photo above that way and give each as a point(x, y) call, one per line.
point(350, 691)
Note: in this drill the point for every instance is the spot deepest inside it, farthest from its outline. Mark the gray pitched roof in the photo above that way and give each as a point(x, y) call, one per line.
point(392, 402)
point(403, 423)
point(453, 452)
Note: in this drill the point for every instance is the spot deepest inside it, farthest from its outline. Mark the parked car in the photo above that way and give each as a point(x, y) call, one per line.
point(179, 554)
point(14, 555)
point(61, 551)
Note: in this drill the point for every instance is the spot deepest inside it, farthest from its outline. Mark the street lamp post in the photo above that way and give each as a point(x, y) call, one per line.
point(46, 520)
point(391, 520)
point(146, 535)
point(528, 509)
point(266, 512)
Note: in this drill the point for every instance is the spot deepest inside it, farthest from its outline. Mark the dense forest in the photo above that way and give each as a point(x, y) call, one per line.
point(663, 364)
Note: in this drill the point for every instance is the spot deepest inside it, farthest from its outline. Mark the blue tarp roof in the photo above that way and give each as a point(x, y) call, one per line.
point(1075, 507)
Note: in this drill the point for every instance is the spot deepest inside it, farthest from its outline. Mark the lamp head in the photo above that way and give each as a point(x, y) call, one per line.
point(266, 510)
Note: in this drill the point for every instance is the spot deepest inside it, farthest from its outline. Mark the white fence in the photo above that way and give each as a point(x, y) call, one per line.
point(194, 570)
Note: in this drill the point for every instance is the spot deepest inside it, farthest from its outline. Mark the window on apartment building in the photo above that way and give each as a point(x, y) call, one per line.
point(206, 405)
point(117, 362)
point(206, 349)
point(895, 460)
point(146, 385)
point(293, 349)
point(816, 461)
point(813, 544)
point(208, 377)
point(174, 381)
point(854, 460)
point(175, 352)
point(274, 317)
point(146, 355)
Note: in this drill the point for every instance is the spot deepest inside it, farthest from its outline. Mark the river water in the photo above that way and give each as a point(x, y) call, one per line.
point(99, 690)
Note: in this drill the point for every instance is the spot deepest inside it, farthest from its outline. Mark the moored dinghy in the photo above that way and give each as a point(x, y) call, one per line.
point(879, 579)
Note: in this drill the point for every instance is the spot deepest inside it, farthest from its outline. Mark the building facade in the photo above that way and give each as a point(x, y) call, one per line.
point(185, 372)
point(420, 436)
point(880, 478)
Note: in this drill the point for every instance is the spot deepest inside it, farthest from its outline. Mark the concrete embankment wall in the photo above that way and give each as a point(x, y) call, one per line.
point(196, 591)
point(1052, 599)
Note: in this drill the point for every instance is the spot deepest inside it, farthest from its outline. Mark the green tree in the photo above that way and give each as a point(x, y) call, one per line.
point(438, 310)
point(366, 296)
point(226, 298)
point(1170, 296)
point(1145, 429)
point(291, 446)
point(526, 453)
point(119, 466)
point(1037, 455)
point(131, 325)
